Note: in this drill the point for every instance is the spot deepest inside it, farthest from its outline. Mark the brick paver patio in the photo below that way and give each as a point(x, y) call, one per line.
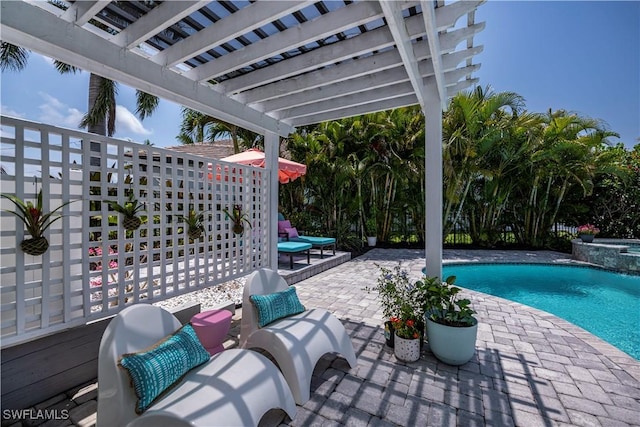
point(530, 368)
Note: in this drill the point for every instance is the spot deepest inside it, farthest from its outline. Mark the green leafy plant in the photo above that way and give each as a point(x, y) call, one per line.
point(388, 286)
point(371, 227)
point(35, 221)
point(401, 301)
point(195, 223)
point(129, 210)
point(444, 306)
point(238, 218)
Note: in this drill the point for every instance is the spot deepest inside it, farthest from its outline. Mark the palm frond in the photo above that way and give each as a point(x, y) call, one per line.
point(146, 104)
point(65, 68)
point(12, 57)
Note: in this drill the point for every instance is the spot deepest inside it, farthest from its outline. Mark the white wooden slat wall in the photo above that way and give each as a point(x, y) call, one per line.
point(94, 268)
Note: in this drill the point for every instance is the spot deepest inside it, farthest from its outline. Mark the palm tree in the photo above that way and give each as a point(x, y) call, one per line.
point(194, 126)
point(474, 122)
point(198, 127)
point(101, 115)
point(564, 158)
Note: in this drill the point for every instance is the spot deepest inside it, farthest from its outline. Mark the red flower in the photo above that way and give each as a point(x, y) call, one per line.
point(35, 214)
point(410, 323)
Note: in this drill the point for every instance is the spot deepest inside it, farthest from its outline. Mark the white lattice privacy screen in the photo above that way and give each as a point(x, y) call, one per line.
point(94, 267)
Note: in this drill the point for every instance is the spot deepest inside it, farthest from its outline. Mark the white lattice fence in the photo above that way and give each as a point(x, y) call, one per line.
point(94, 268)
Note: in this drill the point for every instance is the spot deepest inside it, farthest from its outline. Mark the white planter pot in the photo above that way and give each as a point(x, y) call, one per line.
point(371, 241)
point(407, 350)
point(450, 344)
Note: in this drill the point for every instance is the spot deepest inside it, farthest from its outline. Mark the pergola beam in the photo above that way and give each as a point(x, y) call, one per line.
point(429, 16)
point(245, 20)
point(349, 101)
point(374, 40)
point(366, 96)
point(81, 12)
point(403, 101)
point(363, 80)
point(324, 26)
point(159, 18)
point(351, 111)
point(335, 73)
point(393, 14)
point(324, 56)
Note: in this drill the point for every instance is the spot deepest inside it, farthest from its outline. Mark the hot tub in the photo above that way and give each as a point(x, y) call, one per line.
point(614, 254)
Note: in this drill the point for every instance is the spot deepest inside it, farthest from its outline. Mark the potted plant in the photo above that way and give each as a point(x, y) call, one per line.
point(407, 338)
point(129, 210)
point(400, 301)
point(371, 228)
point(35, 221)
point(587, 232)
point(195, 224)
point(238, 218)
point(451, 328)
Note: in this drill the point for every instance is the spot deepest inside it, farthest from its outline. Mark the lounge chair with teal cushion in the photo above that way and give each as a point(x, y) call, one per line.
point(291, 248)
point(141, 352)
point(318, 242)
point(296, 337)
point(288, 232)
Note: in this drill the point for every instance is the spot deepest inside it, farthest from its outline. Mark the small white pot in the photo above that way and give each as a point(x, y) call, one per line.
point(371, 241)
point(450, 344)
point(407, 350)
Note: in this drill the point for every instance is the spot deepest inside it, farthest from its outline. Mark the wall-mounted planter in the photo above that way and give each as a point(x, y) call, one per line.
point(131, 223)
point(35, 246)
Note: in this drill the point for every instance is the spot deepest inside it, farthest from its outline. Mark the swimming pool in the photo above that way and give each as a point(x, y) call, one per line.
point(605, 303)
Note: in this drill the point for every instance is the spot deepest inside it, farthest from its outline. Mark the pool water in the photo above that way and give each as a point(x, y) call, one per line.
point(605, 303)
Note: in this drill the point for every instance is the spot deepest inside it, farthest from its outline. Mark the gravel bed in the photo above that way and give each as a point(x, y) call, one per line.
point(210, 297)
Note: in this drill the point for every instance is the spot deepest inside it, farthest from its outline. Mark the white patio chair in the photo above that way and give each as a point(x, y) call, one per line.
point(234, 388)
point(296, 342)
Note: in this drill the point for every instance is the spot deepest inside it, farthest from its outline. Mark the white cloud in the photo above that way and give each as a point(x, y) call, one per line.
point(58, 113)
point(8, 111)
point(126, 121)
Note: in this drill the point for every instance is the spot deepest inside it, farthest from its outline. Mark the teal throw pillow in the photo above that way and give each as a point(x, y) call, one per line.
point(276, 306)
point(156, 370)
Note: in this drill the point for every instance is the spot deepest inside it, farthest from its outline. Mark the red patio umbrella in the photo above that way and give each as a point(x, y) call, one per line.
point(288, 170)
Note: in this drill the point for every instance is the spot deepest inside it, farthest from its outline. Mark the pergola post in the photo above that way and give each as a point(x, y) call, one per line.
point(433, 180)
point(271, 148)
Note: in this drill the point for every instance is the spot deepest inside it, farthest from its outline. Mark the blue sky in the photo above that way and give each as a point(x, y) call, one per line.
point(579, 56)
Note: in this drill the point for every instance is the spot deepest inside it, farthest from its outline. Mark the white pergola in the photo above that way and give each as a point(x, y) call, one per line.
point(270, 66)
